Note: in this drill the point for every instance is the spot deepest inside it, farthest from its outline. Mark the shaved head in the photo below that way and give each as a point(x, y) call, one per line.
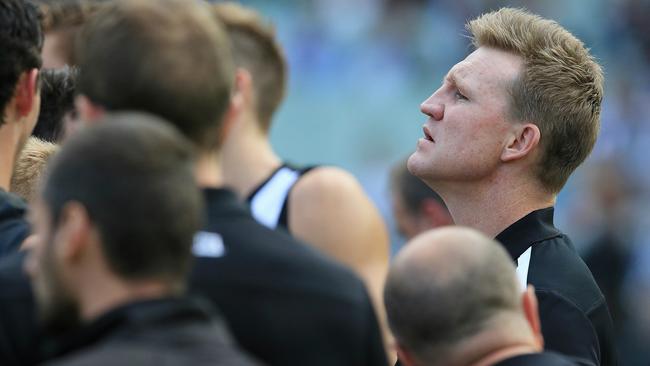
point(446, 286)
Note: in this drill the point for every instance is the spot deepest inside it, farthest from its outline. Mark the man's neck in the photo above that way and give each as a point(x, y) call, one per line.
point(111, 294)
point(247, 158)
point(8, 147)
point(504, 354)
point(208, 170)
point(491, 208)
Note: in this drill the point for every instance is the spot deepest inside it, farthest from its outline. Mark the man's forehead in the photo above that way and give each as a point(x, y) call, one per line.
point(487, 64)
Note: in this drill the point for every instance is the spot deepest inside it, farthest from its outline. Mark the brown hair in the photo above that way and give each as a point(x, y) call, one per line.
point(560, 88)
point(255, 49)
point(165, 57)
point(65, 18)
point(30, 166)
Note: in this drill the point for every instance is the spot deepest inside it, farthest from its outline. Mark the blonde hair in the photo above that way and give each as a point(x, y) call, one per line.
point(255, 49)
point(560, 88)
point(30, 166)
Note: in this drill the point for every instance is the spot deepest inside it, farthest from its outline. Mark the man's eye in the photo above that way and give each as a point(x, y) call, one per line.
point(460, 96)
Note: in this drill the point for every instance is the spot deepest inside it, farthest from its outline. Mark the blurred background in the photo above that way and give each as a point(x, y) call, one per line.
point(359, 70)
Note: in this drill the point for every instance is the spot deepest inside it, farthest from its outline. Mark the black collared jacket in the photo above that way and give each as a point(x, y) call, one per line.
point(172, 331)
point(14, 228)
point(574, 315)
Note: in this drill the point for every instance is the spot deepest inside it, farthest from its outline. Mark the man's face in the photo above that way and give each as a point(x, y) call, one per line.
point(409, 224)
point(58, 311)
point(468, 124)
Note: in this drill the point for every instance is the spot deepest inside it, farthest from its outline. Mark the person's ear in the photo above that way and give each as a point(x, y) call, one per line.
point(26, 92)
point(531, 311)
point(523, 139)
point(88, 111)
point(73, 232)
point(436, 214)
point(239, 102)
point(405, 357)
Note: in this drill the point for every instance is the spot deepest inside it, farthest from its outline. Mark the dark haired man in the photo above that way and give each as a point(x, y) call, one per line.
point(416, 207)
point(284, 302)
point(114, 257)
point(21, 42)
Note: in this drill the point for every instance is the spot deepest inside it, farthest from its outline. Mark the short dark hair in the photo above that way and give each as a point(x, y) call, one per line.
point(134, 176)
point(411, 189)
point(57, 99)
point(255, 48)
point(21, 41)
point(165, 57)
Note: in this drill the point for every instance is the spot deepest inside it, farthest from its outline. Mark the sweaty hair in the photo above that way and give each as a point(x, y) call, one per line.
point(30, 166)
point(411, 189)
point(57, 99)
point(560, 88)
point(133, 174)
point(437, 301)
point(165, 57)
point(21, 41)
point(255, 49)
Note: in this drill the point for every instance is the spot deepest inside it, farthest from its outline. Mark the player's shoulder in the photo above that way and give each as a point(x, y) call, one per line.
point(324, 183)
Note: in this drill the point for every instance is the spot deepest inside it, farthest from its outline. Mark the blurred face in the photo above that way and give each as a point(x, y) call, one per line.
point(468, 124)
point(57, 308)
point(409, 224)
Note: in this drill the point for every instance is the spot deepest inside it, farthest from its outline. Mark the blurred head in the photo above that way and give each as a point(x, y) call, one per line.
point(62, 20)
point(164, 57)
point(256, 51)
point(120, 196)
point(57, 103)
point(31, 164)
point(452, 295)
point(416, 207)
point(21, 41)
point(542, 108)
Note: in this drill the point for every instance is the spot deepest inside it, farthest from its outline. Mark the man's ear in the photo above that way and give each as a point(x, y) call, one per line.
point(523, 140)
point(88, 111)
point(436, 214)
point(529, 302)
point(241, 100)
point(404, 356)
point(26, 92)
point(74, 231)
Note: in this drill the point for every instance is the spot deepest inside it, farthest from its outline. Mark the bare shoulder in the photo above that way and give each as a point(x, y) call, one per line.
point(328, 208)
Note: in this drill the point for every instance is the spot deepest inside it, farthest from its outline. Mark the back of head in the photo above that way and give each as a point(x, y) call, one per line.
point(165, 57)
point(21, 41)
point(255, 49)
point(62, 19)
point(411, 189)
point(560, 88)
point(445, 287)
point(134, 177)
point(57, 99)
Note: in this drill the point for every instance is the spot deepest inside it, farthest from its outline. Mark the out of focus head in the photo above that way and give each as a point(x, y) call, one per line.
point(57, 104)
point(21, 41)
point(451, 295)
point(62, 20)
point(169, 58)
point(542, 112)
point(416, 207)
point(258, 55)
point(118, 203)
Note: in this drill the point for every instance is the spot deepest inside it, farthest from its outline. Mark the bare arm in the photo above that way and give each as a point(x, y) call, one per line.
point(329, 210)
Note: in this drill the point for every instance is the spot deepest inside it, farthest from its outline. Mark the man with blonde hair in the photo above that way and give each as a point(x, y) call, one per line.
point(323, 206)
point(453, 299)
point(508, 126)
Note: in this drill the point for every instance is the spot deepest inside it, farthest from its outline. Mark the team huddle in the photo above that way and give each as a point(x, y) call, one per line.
point(145, 218)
